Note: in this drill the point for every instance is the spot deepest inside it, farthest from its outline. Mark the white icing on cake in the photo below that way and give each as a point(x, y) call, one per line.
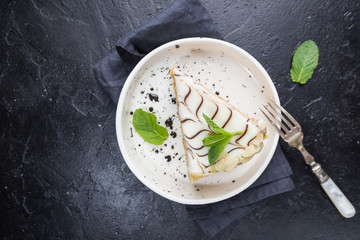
point(193, 101)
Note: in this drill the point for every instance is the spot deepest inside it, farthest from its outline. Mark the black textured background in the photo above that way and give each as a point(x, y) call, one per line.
point(62, 176)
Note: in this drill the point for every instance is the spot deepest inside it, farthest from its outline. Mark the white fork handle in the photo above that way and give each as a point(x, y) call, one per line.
point(338, 198)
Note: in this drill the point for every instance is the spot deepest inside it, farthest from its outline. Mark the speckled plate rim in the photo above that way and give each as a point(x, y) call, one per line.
point(120, 112)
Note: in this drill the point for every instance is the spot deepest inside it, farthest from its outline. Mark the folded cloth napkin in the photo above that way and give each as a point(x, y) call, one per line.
point(182, 19)
point(188, 18)
point(212, 218)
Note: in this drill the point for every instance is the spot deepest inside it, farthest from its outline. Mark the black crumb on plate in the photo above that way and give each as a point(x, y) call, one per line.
point(168, 158)
point(169, 123)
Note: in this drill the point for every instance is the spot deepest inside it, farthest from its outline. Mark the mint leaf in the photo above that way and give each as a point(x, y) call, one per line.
point(217, 149)
point(214, 139)
point(214, 126)
point(304, 62)
point(146, 126)
point(218, 141)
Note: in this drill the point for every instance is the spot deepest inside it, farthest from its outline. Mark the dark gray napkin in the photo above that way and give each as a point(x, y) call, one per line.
point(212, 218)
point(188, 18)
point(182, 19)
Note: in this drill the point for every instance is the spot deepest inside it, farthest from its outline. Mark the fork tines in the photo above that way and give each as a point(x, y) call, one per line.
point(283, 124)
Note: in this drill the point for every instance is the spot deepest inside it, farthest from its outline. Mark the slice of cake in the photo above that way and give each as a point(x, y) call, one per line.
point(194, 100)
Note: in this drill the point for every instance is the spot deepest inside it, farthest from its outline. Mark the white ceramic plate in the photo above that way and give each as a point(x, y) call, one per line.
point(220, 66)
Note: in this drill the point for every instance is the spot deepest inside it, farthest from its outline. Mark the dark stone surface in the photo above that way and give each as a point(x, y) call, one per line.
point(62, 176)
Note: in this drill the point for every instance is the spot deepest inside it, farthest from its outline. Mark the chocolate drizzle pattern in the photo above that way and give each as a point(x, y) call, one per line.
point(238, 139)
point(214, 115)
point(251, 140)
point(187, 94)
point(228, 118)
point(197, 110)
point(199, 148)
point(217, 109)
point(205, 166)
point(187, 119)
point(237, 145)
point(202, 155)
point(235, 148)
point(192, 137)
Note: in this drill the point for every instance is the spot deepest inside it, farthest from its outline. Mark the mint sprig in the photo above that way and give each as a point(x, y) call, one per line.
point(217, 141)
point(216, 149)
point(214, 139)
point(214, 126)
point(146, 126)
point(304, 62)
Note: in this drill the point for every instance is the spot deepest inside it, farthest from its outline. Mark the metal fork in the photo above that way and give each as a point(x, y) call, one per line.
point(290, 131)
